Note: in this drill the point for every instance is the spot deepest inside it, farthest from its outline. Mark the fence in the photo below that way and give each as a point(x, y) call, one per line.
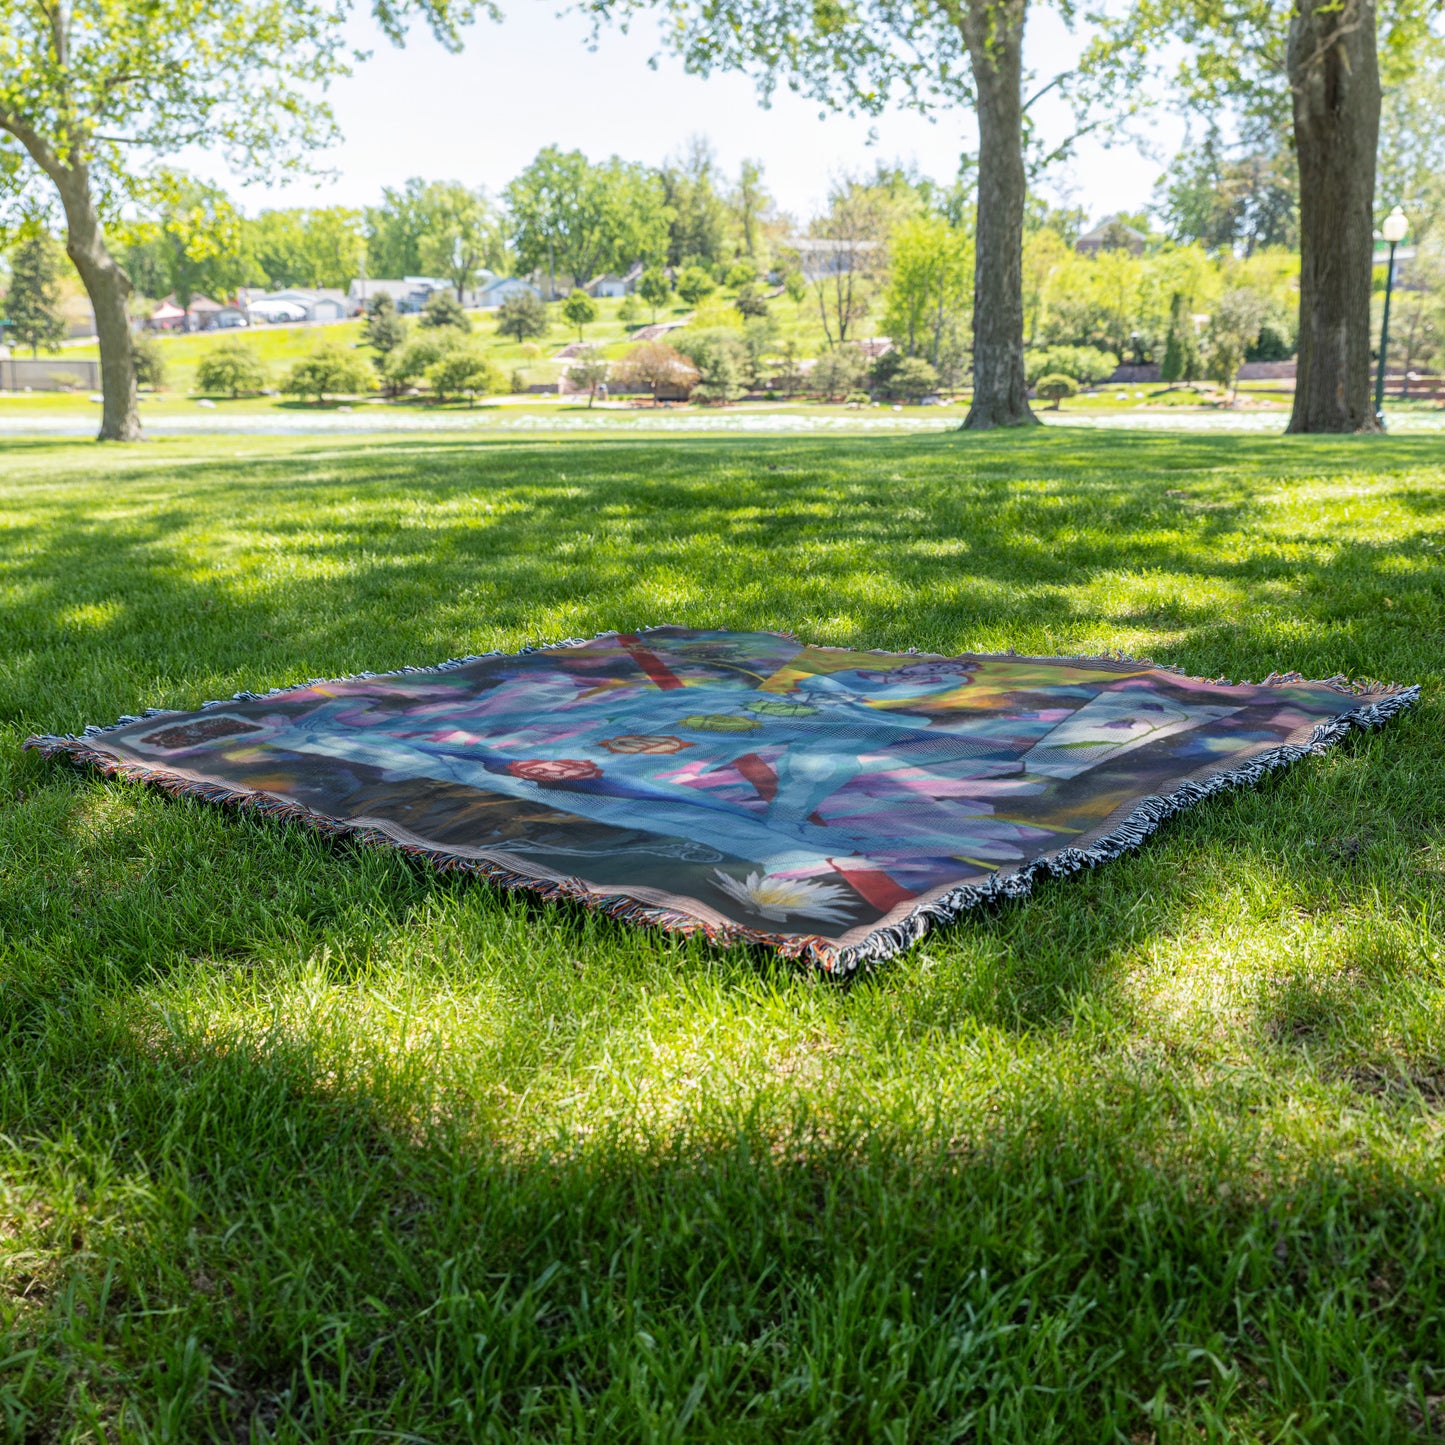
point(48, 373)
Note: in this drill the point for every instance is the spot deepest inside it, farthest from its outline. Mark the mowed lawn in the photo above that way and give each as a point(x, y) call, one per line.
point(300, 1141)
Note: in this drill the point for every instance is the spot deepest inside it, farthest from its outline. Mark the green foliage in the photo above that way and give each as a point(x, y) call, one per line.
point(32, 301)
point(750, 303)
point(588, 370)
point(329, 371)
point(303, 247)
point(699, 223)
point(442, 309)
point(1233, 327)
point(742, 272)
point(838, 371)
point(695, 285)
point(721, 360)
point(233, 368)
point(437, 228)
point(1086, 364)
point(150, 362)
point(573, 218)
point(928, 301)
point(384, 329)
point(579, 310)
point(522, 316)
point(1275, 341)
point(759, 340)
point(655, 366)
point(629, 313)
point(409, 363)
point(913, 378)
point(1247, 202)
point(1055, 388)
point(654, 288)
point(461, 370)
point(796, 285)
point(1181, 347)
point(187, 241)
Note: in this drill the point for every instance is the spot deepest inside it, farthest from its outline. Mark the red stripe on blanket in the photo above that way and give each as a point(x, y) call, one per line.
point(873, 885)
point(656, 670)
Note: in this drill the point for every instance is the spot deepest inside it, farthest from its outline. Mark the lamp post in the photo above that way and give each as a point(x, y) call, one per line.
point(1396, 224)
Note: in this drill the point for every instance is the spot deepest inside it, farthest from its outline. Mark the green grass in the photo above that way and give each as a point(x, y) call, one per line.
point(301, 1141)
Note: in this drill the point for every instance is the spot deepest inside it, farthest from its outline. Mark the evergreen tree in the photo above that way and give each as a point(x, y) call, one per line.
point(32, 305)
point(1181, 348)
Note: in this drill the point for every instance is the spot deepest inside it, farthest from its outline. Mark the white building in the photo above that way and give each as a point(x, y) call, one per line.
point(501, 289)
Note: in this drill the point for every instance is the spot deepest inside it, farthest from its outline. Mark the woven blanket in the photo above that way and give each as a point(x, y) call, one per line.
point(831, 803)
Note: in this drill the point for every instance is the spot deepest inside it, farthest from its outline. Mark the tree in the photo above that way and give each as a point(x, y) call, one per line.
point(751, 206)
point(750, 302)
point(442, 309)
point(579, 310)
point(587, 371)
point(32, 304)
point(856, 57)
point(1181, 348)
point(463, 371)
point(1242, 204)
point(1412, 146)
point(852, 238)
point(383, 330)
point(796, 285)
point(187, 241)
point(96, 92)
point(1056, 388)
point(407, 364)
point(330, 371)
point(838, 372)
point(150, 362)
point(654, 288)
point(1327, 52)
point(930, 290)
point(577, 219)
point(697, 216)
point(760, 336)
point(521, 316)
point(655, 366)
point(461, 232)
point(914, 378)
point(720, 359)
point(695, 285)
point(1232, 329)
point(1086, 364)
point(299, 247)
point(232, 368)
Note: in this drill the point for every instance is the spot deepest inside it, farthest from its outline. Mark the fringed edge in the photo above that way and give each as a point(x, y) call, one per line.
point(880, 945)
point(1148, 815)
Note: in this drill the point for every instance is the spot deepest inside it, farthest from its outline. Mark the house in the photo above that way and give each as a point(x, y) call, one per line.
point(503, 288)
point(824, 256)
point(409, 293)
point(200, 315)
point(316, 303)
point(230, 317)
point(1111, 234)
point(613, 285)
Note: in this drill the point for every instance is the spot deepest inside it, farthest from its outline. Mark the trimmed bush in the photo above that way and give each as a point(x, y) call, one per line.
point(1056, 388)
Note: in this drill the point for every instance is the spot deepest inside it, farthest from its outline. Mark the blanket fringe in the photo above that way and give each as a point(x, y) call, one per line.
point(1382, 702)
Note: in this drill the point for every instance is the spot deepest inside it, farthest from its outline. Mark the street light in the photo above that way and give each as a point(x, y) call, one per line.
point(1396, 224)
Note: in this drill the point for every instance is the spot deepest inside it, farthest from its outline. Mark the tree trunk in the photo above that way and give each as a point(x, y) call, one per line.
point(994, 34)
point(109, 289)
point(1335, 86)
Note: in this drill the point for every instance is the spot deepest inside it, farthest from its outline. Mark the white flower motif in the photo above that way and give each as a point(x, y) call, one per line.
point(776, 897)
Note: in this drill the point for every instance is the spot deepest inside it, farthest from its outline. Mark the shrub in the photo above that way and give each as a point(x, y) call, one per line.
point(518, 381)
point(408, 364)
point(522, 316)
point(384, 330)
point(749, 302)
point(1086, 364)
point(328, 372)
point(741, 273)
point(653, 366)
point(838, 371)
point(233, 368)
point(914, 378)
point(630, 312)
point(721, 361)
point(695, 285)
point(1274, 342)
point(463, 371)
point(1055, 388)
point(150, 362)
point(443, 309)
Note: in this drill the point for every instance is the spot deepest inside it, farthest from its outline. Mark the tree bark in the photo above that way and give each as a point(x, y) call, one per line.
point(1335, 88)
point(109, 289)
point(993, 30)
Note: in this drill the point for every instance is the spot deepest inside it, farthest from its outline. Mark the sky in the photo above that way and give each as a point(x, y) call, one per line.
point(531, 81)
